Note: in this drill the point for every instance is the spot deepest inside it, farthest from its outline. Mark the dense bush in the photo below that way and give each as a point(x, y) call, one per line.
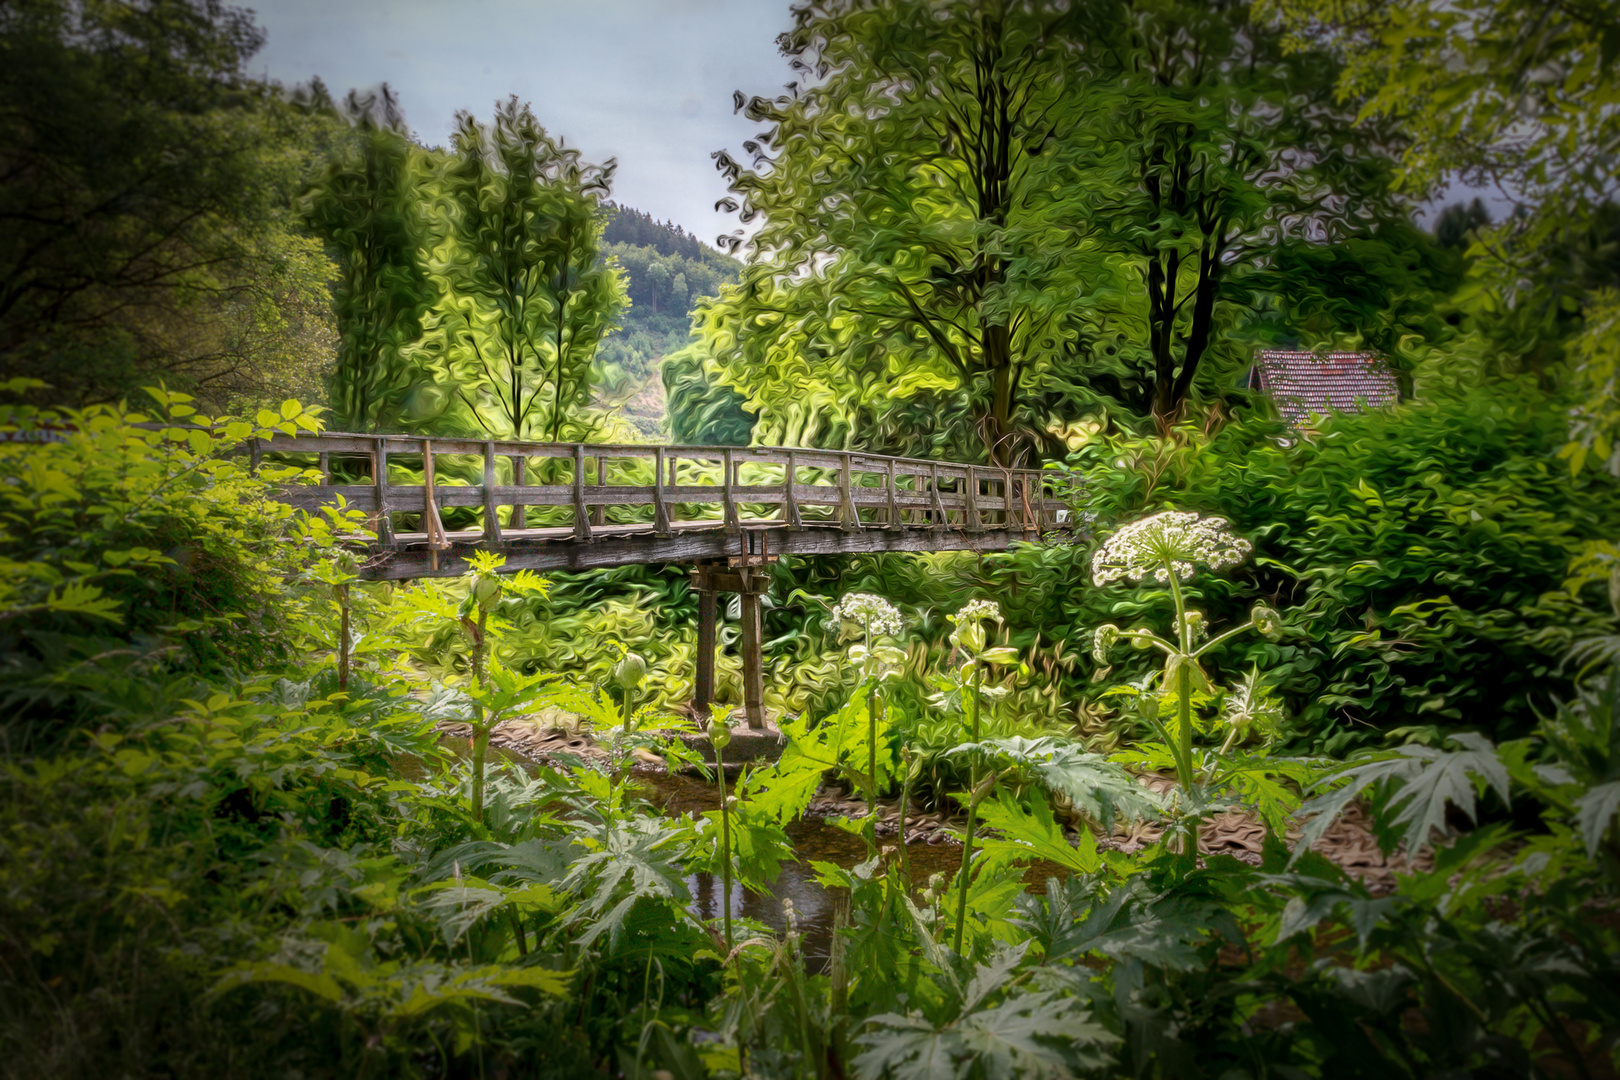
point(1418, 554)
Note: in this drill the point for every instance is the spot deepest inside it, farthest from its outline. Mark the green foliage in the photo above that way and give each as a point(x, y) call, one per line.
point(1039, 206)
point(526, 301)
point(702, 410)
point(142, 543)
point(148, 197)
point(367, 206)
point(1021, 1034)
point(215, 872)
point(1422, 551)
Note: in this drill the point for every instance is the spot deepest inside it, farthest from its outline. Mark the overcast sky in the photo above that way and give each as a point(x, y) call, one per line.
point(646, 81)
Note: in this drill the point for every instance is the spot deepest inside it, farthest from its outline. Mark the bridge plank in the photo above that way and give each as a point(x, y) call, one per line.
point(608, 549)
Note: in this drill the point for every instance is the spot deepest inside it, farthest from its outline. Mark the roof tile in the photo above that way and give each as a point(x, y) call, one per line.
point(1306, 384)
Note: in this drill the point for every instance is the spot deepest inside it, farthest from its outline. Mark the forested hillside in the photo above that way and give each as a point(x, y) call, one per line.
point(666, 271)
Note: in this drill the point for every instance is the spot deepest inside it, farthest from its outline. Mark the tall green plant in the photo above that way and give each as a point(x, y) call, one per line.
point(1168, 548)
point(969, 641)
point(873, 618)
point(528, 300)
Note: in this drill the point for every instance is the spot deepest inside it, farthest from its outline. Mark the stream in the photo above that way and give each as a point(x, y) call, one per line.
point(814, 839)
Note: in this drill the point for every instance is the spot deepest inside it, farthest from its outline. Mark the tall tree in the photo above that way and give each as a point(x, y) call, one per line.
point(146, 192)
point(914, 236)
point(1521, 97)
point(527, 298)
point(1213, 150)
point(1021, 207)
point(368, 207)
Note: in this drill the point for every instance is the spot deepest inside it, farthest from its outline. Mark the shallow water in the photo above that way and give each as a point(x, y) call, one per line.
point(814, 840)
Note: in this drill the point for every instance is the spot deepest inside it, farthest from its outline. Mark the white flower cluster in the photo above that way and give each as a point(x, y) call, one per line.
point(1169, 542)
point(977, 609)
point(864, 611)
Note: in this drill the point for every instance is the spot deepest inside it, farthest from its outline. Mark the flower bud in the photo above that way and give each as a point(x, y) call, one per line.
point(629, 671)
point(719, 733)
point(968, 636)
point(1141, 640)
point(1267, 621)
point(1106, 636)
point(487, 592)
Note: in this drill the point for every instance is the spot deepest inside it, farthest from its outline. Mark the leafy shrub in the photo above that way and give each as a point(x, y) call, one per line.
point(1421, 551)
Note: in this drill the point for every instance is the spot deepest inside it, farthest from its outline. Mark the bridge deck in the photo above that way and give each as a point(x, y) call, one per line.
point(603, 506)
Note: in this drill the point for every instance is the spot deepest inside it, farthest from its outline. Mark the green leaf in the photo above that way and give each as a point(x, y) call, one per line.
point(1594, 812)
point(1032, 833)
point(1421, 782)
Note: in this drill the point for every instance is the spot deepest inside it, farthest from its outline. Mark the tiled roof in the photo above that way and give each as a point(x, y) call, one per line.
point(1305, 384)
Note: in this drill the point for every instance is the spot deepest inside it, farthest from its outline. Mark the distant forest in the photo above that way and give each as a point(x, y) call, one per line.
point(667, 270)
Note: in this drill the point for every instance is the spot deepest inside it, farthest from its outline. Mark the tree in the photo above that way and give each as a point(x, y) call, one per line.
point(913, 229)
point(526, 298)
point(146, 186)
point(1022, 208)
point(1519, 96)
point(1211, 152)
point(367, 207)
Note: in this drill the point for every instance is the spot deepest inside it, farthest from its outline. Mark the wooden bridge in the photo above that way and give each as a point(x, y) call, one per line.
point(727, 510)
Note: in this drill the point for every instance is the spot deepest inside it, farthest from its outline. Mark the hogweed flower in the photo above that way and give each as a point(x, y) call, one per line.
point(974, 610)
point(1166, 543)
point(867, 612)
point(969, 633)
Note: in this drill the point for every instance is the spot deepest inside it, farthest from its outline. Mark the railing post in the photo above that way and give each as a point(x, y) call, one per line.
point(848, 517)
point(933, 491)
point(703, 677)
point(974, 522)
point(492, 516)
point(430, 508)
point(255, 452)
point(385, 524)
point(733, 520)
point(519, 511)
point(894, 499)
point(660, 511)
point(753, 584)
point(790, 498)
point(582, 517)
point(599, 511)
point(323, 462)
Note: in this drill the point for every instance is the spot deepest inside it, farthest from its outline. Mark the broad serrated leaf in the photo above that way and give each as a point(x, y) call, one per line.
point(1594, 811)
point(1421, 782)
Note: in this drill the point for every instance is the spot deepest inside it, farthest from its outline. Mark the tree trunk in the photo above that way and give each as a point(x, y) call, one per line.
point(997, 345)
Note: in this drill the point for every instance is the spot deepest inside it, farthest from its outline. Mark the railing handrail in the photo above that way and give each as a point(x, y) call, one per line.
point(567, 449)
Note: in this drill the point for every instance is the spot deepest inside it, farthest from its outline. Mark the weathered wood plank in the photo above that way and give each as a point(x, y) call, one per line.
point(492, 514)
point(660, 508)
point(385, 523)
point(690, 546)
point(582, 517)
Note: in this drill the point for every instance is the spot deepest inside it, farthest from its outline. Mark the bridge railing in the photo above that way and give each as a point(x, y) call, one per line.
point(406, 483)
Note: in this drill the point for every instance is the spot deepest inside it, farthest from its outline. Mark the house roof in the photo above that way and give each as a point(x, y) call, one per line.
point(1306, 384)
